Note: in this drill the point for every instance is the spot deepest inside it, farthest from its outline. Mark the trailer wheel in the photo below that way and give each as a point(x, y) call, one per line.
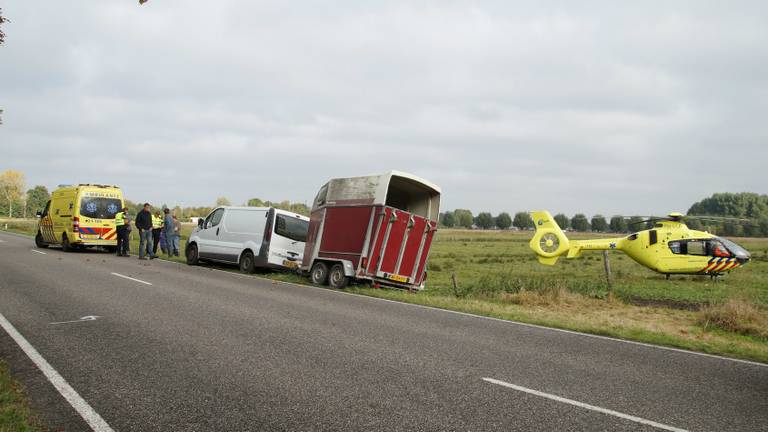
point(192, 255)
point(319, 273)
point(337, 278)
point(39, 242)
point(247, 262)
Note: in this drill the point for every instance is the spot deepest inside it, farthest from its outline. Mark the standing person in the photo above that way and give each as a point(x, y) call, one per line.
point(128, 229)
point(176, 238)
point(168, 231)
point(144, 224)
point(122, 232)
point(157, 227)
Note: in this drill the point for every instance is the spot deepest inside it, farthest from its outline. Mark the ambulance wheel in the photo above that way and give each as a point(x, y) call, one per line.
point(247, 262)
point(319, 273)
point(65, 246)
point(193, 257)
point(39, 242)
point(337, 278)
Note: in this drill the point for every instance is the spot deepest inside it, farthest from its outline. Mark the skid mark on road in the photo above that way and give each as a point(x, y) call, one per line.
point(584, 405)
point(82, 407)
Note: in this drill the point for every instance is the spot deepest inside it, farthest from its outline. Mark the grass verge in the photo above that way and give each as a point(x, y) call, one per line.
point(15, 414)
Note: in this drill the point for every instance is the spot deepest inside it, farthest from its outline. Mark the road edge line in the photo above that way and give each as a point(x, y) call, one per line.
point(94, 420)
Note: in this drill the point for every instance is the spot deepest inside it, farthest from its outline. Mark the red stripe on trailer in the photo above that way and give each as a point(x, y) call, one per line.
point(394, 241)
point(410, 255)
point(423, 261)
point(375, 254)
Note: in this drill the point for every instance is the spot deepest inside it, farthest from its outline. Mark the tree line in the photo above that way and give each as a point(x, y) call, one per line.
point(17, 201)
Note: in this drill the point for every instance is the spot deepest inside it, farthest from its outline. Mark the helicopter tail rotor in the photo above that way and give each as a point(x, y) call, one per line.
point(549, 241)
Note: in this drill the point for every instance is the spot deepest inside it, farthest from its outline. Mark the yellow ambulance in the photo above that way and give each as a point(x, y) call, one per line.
point(80, 216)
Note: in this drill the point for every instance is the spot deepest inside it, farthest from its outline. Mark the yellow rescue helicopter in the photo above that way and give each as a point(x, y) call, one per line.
point(668, 247)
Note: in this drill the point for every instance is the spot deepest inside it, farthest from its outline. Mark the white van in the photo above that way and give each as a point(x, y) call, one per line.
point(253, 237)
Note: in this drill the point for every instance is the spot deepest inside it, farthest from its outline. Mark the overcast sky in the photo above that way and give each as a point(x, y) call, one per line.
point(595, 107)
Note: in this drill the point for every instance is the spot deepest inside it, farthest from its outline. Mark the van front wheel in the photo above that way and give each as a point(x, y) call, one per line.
point(247, 262)
point(319, 273)
point(337, 278)
point(192, 255)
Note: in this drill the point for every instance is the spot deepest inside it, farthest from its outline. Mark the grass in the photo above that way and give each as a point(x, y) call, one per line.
point(499, 276)
point(15, 415)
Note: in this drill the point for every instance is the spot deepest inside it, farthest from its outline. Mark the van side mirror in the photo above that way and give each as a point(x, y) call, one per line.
point(200, 223)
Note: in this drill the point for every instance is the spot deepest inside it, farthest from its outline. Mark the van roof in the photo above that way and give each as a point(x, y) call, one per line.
point(288, 212)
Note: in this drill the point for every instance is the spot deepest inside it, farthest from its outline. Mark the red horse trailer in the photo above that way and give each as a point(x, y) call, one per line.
point(377, 228)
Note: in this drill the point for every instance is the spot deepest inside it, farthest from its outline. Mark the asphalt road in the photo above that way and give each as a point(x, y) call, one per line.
point(205, 350)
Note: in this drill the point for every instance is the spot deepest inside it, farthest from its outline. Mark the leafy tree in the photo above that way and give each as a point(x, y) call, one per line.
point(694, 224)
point(463, 218)
point(618, 224)
point(740, 205)
point(37, 197)
point(503, 221)
point(562, 221)
point(223, 201)
point(11, 188)
point(447, 219)
point(300, 208)
point(522, 221)
point(485, 220)
point(579, 222)
point(599, 224)
point(255, 202)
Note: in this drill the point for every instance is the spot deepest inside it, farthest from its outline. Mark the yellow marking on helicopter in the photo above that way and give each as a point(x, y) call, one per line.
point(670, 247)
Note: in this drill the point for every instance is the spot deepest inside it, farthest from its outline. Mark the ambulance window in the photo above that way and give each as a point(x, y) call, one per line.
point(697, 247)
point(214, 218)
point(99, 207)
point(717, 249)
point(46, 209)
point(291, 227)
point(676, 247)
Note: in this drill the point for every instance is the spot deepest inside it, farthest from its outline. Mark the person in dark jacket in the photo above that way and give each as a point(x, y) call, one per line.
point(144, 224)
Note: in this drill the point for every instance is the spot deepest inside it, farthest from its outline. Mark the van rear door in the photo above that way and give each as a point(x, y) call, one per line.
point(289, 236)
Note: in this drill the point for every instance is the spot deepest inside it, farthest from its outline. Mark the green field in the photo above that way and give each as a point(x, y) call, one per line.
point(498, 275)
point(15, 414)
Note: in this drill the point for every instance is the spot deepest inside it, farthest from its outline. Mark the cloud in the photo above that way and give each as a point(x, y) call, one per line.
point(595, 107)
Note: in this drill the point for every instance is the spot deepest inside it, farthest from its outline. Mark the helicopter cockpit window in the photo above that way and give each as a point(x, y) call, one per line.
point(716, 249)
point(676, 247)
point(735, 249)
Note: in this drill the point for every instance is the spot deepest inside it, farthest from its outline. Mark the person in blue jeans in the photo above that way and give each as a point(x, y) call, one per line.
point(144, 224)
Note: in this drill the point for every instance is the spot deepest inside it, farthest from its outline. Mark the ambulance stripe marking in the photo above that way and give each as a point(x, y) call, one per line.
point(723, 265)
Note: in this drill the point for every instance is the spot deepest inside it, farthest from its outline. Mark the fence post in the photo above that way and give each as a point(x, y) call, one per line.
point(455, 284)
point(607, 265)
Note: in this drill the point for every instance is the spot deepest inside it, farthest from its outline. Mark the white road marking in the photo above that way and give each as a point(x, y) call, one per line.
point(82, 407)
point(37, 251)
point(586, 406)
point(82, 319)
point(130, 278)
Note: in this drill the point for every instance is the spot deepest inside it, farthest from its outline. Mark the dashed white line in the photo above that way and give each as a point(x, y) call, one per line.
point(586, 406)
point(82, 407)
point(37, 251)
point(130, 278)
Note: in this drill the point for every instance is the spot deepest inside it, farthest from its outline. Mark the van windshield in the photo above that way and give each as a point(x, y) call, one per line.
point(291, 227)
point(99, 208)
